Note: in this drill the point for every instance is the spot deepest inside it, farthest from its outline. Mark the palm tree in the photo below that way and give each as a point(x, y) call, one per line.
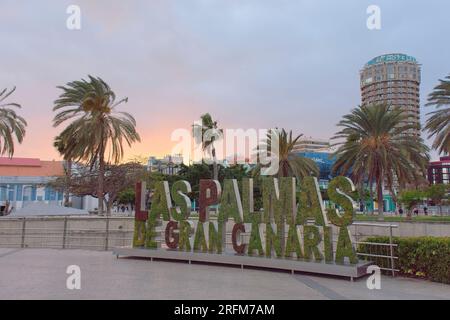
point(379, 147)
point(210, 133)
point(439, 123)
point(96, 131)
point(11, 124)
point(290, 164)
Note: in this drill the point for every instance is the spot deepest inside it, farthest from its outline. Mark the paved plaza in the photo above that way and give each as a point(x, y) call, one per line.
point(41, 274)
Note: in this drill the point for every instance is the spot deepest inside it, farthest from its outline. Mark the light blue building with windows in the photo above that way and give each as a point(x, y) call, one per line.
point(24, 180)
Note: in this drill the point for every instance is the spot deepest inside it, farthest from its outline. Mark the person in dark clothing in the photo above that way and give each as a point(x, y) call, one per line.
point(400, 211)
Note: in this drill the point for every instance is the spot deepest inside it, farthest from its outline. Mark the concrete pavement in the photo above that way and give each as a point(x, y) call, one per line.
point(41, 274)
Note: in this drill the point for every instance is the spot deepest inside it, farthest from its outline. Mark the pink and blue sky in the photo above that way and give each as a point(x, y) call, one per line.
point(250, 63)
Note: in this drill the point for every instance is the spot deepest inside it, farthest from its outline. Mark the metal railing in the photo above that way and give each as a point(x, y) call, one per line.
point(383, 255)
point(97, 233)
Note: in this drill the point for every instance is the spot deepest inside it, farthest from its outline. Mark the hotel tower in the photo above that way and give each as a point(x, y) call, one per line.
point(393, 79)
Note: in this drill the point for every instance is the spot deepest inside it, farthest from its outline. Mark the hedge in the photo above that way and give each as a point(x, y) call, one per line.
point(424, 257)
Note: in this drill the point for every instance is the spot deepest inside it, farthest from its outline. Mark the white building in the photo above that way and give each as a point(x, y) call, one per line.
point(309, 144)
point(169, 164)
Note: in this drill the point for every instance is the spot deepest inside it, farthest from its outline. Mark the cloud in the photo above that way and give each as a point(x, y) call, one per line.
point(252, 64)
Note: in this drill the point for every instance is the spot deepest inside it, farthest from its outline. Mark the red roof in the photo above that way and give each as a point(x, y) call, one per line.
point(443, 162)
point(30, 167)
point(20, 162)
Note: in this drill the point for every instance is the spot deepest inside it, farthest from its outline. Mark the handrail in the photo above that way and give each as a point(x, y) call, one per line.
point(368, 224)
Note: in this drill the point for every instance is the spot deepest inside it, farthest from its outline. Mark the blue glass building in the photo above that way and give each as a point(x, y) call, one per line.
point(325, 162)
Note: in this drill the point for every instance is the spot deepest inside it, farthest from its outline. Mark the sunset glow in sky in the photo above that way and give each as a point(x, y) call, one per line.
point(250, 63)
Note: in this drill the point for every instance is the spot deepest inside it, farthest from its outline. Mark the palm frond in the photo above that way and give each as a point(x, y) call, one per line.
point(438, 125)
point(12, 126)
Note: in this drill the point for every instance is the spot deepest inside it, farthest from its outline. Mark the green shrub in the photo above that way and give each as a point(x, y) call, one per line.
point(426, 257)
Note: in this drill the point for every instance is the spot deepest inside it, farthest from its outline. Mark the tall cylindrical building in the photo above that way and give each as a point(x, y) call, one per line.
point(393, 79)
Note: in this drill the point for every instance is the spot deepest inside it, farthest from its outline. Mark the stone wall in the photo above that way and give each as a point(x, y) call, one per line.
point(404, 229)
point(97, 233)
point(94, 232)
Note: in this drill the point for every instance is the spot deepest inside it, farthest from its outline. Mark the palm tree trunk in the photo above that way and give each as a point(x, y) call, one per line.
point(68, 177)
point(371, 196)
point(215, 166)
point(362, 198)
point(380, 197)
point(284, 169)
point(101, 179)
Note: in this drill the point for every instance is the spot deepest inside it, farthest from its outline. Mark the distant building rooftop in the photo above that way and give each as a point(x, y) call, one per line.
point(30, 167)
point(393, 57)
point(310, 144)
point(441, 160)
point(21, 162)
point(169, 165)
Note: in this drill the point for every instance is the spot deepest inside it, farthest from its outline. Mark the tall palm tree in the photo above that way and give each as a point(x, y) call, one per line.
point(97, 131)
point(290, 164)
point(378, 146)
point(438, 124)
point(210, 129)
point(11, 124)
